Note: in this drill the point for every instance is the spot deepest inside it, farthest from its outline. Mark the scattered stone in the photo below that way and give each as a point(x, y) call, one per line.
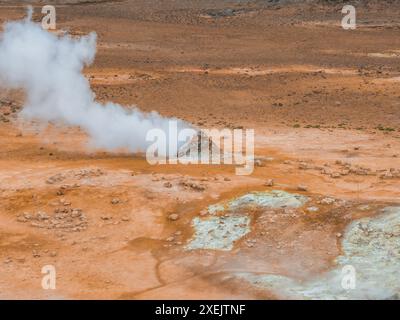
point(335, 175)
point(360, 171)
point(56, 178)
point(312, 209)
point(115, 201)
point(327, 171)
point(27, 215)
point(42, 216)
point(327, 201)
point(259, 163)
point(76, 213)
point(344, 172)
point(53, 254)
point(65, 202)
point(192, 185)
point(22, 219)
point(168, 184)
point(68, 219)
point(301, 187)
point(390, 174)
point(305, 166)
point(88, 173)
point(173, 217)
point(269, 183)
point(35, 254)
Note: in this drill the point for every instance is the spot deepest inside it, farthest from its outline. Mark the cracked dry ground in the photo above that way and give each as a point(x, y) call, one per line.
point(326, 117)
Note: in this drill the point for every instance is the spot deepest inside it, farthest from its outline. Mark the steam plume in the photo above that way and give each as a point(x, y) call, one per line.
point(49, 69)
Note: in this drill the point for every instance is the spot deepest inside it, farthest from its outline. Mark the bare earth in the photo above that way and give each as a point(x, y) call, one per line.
point(324, 103)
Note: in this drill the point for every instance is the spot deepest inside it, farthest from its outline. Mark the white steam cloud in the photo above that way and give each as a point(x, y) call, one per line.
point(49, 69)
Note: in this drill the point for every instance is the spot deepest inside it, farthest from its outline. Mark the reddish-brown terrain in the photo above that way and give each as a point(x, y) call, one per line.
point(325, 106)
